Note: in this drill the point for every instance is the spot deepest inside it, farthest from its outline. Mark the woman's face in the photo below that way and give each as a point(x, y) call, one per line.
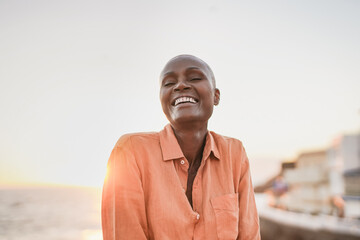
point(187, 92)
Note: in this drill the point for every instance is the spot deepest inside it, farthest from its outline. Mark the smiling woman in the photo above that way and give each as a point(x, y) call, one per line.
point(185, 78)
point(184, 182)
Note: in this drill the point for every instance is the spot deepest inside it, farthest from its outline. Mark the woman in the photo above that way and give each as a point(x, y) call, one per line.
point(184, 182)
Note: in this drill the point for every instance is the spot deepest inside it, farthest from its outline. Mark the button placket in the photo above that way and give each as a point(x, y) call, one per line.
point(183, 171)
point(197, 190)
point(183, 165)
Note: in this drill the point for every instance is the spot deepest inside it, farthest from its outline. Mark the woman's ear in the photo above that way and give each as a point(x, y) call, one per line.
point(217, 96)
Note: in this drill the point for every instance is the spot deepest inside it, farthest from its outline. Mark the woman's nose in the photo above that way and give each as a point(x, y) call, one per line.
point(181, 85)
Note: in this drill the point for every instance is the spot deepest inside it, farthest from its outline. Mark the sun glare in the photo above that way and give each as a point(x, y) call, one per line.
point(91, 235)
point(90, 178)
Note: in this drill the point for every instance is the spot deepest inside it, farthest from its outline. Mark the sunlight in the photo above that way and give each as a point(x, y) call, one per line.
point(91, 234)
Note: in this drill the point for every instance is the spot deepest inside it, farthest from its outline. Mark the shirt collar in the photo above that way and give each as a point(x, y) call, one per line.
point(171, 150)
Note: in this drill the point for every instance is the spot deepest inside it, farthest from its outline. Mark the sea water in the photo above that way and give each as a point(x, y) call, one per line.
point(51, 213)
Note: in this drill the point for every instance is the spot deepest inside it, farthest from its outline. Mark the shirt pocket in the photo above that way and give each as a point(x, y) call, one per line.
point(226, 208)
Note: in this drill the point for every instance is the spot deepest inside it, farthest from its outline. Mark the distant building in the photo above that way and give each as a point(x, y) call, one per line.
point(352, 182)
point(344, 156)
point(321, 180)
point(309, 184)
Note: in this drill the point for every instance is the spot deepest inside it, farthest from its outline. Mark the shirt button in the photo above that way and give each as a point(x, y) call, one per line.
point(182, 162)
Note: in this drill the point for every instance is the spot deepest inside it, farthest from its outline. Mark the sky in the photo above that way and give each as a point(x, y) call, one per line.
point(76, 75)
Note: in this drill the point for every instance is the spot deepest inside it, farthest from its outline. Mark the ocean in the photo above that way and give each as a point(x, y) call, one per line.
point(50, 213)
point(74, 213)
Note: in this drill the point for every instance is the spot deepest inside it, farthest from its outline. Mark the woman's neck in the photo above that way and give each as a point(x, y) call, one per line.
point(192, 141)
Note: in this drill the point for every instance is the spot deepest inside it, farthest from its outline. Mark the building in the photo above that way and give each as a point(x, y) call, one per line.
point(344, 156)
point(326, 181)
point(309, 185)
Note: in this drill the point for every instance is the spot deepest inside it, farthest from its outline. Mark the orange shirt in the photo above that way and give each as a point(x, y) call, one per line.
point(144, 191)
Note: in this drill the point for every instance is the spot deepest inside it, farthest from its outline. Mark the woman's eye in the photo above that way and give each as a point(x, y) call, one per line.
point(167, 84)
point(195, 79)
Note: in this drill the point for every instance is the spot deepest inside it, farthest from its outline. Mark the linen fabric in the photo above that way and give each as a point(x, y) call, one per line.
point(144, 191)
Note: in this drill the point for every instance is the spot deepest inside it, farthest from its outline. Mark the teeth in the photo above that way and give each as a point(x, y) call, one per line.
point(184, 99)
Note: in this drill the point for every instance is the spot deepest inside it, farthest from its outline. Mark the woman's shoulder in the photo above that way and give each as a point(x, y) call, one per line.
point(225, 140)
point(231, 148)
point(139, 137)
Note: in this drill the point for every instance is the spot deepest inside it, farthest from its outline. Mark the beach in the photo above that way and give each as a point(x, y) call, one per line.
point(50, 213)
point(74, 213)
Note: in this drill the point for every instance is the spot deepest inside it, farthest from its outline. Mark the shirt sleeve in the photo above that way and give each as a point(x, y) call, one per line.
point(123, 212)
point(248, 217)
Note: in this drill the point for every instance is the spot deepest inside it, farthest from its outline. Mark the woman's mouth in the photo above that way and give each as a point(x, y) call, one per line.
point(181, 100)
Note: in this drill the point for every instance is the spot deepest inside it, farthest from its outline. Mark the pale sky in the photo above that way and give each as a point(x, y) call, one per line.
point(76, 75)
